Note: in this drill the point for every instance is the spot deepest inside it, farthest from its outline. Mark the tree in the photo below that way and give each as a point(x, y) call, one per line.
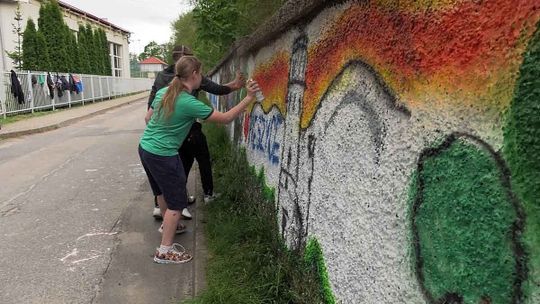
point(52, 25)
point(44, 62)
point(152, 49)
point(134, 67)
point(105, 56)
point(218, 23)
point(16, 55)
point(71, 49)
point(84, 58)
point(93, 52)
point(30, 57)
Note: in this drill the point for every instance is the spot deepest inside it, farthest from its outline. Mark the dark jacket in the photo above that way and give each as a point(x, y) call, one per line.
point(50, 84)
point(165, 77)
point(16, 88)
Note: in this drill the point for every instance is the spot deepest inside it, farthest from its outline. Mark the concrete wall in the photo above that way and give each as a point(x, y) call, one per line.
point(30, 9)
point(403, 137)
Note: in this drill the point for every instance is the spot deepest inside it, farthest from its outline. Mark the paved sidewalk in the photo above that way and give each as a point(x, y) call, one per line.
point(64, 117)
point(132, 276)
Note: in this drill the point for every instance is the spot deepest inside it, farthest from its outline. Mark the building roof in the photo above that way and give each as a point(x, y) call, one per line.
point(90, 16)
point(152, 60)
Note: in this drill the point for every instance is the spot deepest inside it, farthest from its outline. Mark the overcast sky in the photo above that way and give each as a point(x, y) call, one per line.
point(147, 20)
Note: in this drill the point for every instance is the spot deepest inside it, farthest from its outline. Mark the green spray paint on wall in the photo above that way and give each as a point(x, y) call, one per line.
point(315, 260)
point(464, 220)
point(522, 150)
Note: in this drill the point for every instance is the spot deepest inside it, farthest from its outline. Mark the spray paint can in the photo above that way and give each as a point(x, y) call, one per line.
point(259, 94)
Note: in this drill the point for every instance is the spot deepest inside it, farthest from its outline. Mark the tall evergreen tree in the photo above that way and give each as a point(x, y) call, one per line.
point(30, 57)
point(105, 53)
point(71, 49)
point(52, 25)
point(84, 59)
point(16, 55)
point(74, 53)
point(44, 62)
point(91, 47)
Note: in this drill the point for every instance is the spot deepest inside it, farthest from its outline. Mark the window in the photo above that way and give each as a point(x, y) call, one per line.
point(116, 59)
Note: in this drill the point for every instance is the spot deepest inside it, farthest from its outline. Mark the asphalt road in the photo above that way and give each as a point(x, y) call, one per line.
point(75, 218)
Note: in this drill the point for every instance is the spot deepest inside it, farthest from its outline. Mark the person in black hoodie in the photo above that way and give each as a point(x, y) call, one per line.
point(195, 145)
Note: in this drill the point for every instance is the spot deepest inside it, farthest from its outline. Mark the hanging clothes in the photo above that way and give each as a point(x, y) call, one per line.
point(78, 84)
point(16, 88)
point(65, 83)
point(72, 86)
point(58, 86)
point(42, 79)
point(50, 85)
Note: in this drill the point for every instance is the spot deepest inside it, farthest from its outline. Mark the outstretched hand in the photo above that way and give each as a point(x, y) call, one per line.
point(252, 88)
point(239, 80)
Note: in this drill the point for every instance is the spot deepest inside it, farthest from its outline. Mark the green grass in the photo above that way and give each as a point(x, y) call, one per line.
point(19, 117)
point(248, 262)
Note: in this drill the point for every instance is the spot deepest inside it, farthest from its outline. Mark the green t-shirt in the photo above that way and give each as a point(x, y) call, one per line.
point(165, 136)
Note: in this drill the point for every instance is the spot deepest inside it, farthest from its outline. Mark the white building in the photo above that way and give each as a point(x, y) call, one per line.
point(116, 36)
point(152, 64)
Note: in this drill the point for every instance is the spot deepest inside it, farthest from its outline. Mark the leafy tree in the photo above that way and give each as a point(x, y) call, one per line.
point(16, 55)
point(213, 25)
point(184, 30)
point(152, 49)
point(134, 67)
point(30, 56)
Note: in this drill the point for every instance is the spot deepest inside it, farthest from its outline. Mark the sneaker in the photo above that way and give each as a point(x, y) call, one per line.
point(186, 214)
point(210, 198)
point(191, 199)
point(179, 229)
point(177, 255)
point(157, 213)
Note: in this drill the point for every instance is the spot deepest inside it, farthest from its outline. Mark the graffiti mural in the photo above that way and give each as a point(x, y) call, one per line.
point(265, 132)
point(401, 139)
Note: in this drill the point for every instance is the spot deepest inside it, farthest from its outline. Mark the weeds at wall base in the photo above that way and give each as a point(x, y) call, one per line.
point(248, 261)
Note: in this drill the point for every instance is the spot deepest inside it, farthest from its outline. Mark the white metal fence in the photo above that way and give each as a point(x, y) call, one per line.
point(95, 88)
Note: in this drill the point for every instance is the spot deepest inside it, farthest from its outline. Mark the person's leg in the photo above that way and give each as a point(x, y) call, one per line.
point(168, 173)
point(187, 156)
point(157, 214)
point(170, 222)
point(162, 204)
point(202, 154)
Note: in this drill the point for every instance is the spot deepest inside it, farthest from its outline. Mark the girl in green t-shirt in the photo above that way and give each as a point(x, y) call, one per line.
point(174, 112)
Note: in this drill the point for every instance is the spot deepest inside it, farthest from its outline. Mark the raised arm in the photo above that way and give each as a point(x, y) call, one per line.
point(211, 87)
point(227, 117)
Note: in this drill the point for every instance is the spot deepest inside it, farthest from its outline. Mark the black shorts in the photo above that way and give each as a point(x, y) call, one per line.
point(166, 176)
